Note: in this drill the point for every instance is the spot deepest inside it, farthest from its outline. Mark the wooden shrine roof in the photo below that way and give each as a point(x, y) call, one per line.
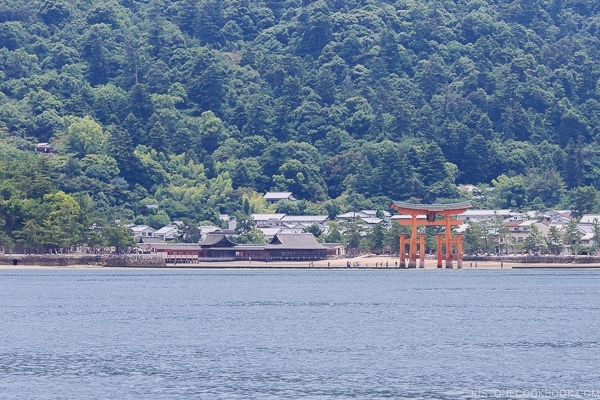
point(413, 208)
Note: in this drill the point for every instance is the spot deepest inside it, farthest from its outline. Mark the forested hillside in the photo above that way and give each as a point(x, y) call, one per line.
point(200, 106)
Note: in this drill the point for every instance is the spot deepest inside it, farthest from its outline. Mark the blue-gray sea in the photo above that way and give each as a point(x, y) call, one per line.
point(291, 334)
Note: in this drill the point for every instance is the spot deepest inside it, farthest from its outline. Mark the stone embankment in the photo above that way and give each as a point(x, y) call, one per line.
point(539, 259)
point(101, 260)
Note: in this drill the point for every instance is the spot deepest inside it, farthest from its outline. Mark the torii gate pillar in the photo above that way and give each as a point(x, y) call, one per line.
point(439, 250)
point(422, 250)
point(459, 252)
point(448, 242)
point(402, 250)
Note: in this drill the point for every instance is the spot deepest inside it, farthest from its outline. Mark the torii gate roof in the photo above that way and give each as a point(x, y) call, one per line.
point(430, 209)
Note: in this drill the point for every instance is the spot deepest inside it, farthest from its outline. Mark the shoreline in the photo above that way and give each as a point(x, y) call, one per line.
point(361, 262)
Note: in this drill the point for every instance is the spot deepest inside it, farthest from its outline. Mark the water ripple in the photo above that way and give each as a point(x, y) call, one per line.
point(282, 334)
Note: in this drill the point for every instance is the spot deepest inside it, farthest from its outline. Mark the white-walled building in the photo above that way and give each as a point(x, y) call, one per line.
point(479, 215)
point(168, 232)
point(268, 220)
point(142, 231)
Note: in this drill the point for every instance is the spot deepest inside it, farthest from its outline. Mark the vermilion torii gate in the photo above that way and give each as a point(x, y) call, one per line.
point(431, 211)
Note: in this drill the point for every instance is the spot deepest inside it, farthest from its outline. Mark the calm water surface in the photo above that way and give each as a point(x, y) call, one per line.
point(271, 334)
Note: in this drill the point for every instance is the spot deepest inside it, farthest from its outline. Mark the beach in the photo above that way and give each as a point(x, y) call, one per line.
point(359, 262)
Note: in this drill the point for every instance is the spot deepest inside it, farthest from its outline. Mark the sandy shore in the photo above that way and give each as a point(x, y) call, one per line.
point(362, 262)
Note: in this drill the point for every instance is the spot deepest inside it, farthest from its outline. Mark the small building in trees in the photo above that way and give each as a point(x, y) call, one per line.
point(480, 215)
point(300, 223)
point(590, 219)
point(142, 231)
point(205, 230)
point(367, 217)
point(276, 197)
point(168, 232)
point(45, 148)
point(267, 220)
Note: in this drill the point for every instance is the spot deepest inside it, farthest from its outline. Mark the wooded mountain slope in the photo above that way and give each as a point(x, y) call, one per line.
point(200, 106)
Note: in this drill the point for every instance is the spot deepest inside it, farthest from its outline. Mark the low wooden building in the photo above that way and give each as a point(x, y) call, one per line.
point(283, 247)
point(296, 246)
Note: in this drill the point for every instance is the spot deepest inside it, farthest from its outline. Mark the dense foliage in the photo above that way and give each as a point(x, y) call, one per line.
point(198, 106)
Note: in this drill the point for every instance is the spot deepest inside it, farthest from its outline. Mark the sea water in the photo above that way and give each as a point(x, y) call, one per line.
point(291, 334)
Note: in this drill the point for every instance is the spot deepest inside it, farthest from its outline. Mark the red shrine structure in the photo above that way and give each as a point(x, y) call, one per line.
point(427, 215)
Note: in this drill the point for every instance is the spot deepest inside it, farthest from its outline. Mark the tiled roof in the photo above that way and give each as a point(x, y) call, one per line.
point(590, 219)
point(433, 207)
point(267, 217)
point(372, 221)
point(295, 241)
point(303, 218)
point(140, 228)
point(172, 246)
point(165, 229)
point(213, 240)
point(489, 212)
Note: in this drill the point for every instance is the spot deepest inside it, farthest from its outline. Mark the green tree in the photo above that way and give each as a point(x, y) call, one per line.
point(110, 103)
point(333, 209)
point(353, 235)
point(31, 235)
point(376, 238)
point(343, 171)
point(596, 235)
point(84, 136)
point(554, 241)
point(545, 184)
point(360, 116)
point(121, 148)
point(474, 239)
point(572, 235)
point(99, 49)
point(501, 233)
point(315, 229)
point(61, 227)
point(6, 242)
point(118, 236)
point(392, 236)
point(212, 131)
point(55, 12)
point(304, 180)
point(140, 103)
point(246, 230)
point(534, 242)
point(158, 137)
point(574, 164)
point(509, 192)
point(158, 219)
point(583, 200)
point(478, 163)
point(334, 235)
point(89, 220)
point(205, 80)
point(208, 22)
point(189, 233)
